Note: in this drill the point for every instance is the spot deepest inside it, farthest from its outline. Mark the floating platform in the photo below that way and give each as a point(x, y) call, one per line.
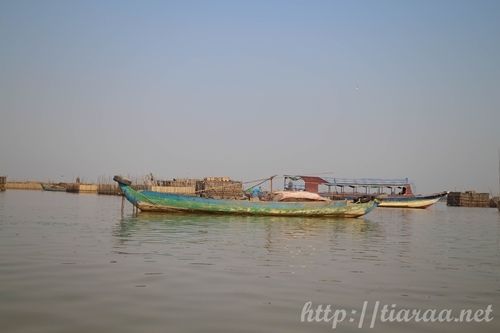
point(468, 199)
point(28, 185)
point(81, 188)
point(108, 189)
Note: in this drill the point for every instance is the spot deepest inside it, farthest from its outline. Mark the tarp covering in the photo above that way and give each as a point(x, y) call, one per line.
point(297, 196)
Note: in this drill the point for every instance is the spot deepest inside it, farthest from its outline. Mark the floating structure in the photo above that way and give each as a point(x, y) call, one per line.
point(108, 189)
point(468, 199)
point(400, 190)
point(175, 203)
point(81, 188)
point(27, 185)
point(3, 180)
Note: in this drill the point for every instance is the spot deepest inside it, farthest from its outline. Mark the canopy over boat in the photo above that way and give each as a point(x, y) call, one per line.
point(312, 183)
point(401, 190)
point(167, 202)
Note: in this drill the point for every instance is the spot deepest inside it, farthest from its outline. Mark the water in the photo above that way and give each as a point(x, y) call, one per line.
point(73, 263)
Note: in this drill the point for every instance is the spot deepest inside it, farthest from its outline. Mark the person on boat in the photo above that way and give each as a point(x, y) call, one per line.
point(256, 193)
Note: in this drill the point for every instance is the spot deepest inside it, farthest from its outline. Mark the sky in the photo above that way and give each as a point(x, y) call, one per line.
point(249, 89)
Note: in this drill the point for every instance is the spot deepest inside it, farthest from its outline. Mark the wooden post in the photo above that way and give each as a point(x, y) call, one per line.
point(271, 180)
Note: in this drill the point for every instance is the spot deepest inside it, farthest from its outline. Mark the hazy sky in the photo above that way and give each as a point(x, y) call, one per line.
point(249, 89)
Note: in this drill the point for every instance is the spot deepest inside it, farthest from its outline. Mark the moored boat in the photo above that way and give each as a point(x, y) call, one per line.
point(175, 203)
point(410, 201)
point(54, 187)
point(401, 193)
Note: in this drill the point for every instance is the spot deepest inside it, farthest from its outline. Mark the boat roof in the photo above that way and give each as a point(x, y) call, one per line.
point(371, 182)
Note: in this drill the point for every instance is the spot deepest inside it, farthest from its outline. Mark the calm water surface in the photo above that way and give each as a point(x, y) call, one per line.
point(74, 263)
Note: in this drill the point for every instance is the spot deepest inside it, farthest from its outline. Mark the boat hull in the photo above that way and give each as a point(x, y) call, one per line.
point(418, 201)
point(53, 188)
point(173, 203)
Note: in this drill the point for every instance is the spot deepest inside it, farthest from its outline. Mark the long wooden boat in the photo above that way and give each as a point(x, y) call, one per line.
point(54, 187)
point(410, 201)
point(168, 202)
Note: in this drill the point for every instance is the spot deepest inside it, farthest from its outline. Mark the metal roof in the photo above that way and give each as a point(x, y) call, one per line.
point(330, 181)
point(376, 182)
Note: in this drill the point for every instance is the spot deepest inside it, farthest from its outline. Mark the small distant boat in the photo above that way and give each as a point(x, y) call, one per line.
point(175, 203)
point(54, 187)
point(410, 201)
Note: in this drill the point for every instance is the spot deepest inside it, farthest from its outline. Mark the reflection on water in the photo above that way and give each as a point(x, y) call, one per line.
point(74, 263)
point(152, 227)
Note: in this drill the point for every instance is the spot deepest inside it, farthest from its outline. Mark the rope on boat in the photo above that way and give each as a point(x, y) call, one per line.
point(262, 181)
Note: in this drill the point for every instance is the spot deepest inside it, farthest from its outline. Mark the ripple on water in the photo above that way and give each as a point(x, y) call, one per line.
point(73, 263)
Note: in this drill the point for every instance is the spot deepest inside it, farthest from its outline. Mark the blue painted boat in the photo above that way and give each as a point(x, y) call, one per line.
point(175, 203)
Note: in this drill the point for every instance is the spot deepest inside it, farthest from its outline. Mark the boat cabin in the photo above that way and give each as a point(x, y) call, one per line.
point(343, 187)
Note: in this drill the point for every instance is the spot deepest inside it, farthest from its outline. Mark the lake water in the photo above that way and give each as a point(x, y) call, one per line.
point(74, 263)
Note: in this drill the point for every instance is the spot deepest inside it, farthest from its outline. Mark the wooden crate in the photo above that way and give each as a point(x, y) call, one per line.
point(221, 188)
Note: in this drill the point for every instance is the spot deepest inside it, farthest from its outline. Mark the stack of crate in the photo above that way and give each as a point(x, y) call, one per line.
point(220, 188)
point(468, 199)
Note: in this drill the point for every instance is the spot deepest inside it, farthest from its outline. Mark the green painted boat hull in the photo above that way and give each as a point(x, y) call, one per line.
point(174, 203)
